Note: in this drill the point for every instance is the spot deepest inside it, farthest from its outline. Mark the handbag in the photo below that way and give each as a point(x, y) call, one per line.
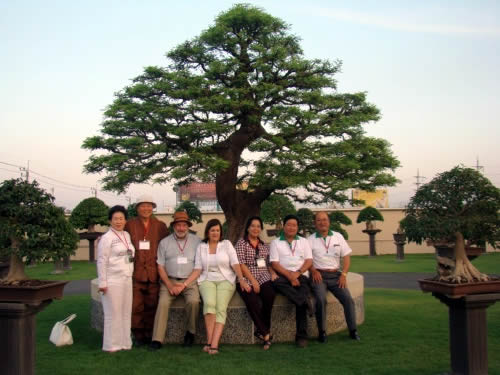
point(61, 334)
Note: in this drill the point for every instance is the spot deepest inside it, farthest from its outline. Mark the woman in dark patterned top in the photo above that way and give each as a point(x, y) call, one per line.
point(253, 255)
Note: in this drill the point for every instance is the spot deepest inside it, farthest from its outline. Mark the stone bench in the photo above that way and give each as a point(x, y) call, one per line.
point(239, 326)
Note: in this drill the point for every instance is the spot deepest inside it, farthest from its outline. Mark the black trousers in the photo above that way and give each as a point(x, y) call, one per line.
point(298, 296)
point(260, 306)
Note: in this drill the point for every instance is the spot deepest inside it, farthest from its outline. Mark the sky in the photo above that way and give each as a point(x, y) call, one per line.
point(431, 67)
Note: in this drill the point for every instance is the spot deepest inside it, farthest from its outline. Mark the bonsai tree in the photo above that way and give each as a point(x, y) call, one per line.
point(192, 210)
point(31, 227)
point(306, 221)
point(275, 208)
point(337, 218)
point(88, 213)
point(368, 215)
point(457, 206)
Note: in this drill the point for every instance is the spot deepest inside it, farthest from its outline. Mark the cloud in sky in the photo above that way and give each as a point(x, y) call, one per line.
point(412, 22)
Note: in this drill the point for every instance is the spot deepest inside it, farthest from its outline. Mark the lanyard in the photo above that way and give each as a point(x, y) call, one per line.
point(124, 241)
point(290, 244)
point(325, 245)
point(146, 228)
point(179, 246)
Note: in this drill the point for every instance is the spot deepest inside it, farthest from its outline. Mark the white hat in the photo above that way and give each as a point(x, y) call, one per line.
point(145, 198)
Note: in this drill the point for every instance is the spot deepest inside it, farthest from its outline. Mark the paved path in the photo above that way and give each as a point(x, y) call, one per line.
point(392, 280)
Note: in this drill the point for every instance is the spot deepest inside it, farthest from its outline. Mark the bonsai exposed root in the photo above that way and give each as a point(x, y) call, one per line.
point(16, 270)
point(464, 272)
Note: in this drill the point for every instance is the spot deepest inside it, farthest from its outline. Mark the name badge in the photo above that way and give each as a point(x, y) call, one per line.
point(294, 261)
point(143, 245)
point(261, 262)
point(182, 260)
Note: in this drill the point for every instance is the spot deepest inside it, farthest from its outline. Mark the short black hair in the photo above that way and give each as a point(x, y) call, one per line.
point(116, 209)
point(212, 223)
point(290, 217)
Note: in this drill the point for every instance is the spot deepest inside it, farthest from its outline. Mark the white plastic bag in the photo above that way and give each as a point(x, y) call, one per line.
point(61, 334)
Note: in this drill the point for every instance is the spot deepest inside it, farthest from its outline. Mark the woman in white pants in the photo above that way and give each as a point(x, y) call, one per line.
point(115, 264)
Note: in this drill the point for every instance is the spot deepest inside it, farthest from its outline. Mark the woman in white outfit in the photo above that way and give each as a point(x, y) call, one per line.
point(115, 264)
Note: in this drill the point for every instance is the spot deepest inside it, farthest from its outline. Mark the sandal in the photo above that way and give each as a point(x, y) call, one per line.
point(259, 336)
point(213, 351)
point(206, 348)
point(267, 344)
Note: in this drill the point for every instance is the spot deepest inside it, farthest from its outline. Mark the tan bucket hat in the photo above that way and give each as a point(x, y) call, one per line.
point(145, 198)
point(181, 216)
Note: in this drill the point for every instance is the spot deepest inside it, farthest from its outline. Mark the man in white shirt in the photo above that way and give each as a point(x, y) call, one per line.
point(328, 248)
point(290, 256)
point(176, 256)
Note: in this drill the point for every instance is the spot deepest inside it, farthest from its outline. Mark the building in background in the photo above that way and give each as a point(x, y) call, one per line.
point(378, 198)
point(200, 193)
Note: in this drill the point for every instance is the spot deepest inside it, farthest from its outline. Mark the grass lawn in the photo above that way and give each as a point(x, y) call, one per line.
point(488, 263)
point(81, 270)
point(426, 263)
point(405, 332)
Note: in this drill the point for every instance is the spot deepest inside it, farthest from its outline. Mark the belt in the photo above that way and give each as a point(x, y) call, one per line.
point(329, 270)
point(178, 278)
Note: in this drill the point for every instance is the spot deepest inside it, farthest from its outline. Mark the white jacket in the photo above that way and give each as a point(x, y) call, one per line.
point(226, 257)
point(112, 258)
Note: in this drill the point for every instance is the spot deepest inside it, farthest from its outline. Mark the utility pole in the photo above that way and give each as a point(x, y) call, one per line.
point(478, 167)
point(94, 191)
point(418, 177)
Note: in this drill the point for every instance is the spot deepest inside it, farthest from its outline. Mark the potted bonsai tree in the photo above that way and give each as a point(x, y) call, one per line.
point(31, 227)
point(86, 215)
point(274, 209)
point(457, 206)
point(369, 215)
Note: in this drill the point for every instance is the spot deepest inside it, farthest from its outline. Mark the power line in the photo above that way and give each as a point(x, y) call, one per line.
point(418, 177)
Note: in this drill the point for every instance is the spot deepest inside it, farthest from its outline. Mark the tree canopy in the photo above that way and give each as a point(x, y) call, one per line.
point(336, 219)
point(306, 221)
point(32, 226)
point(460, 200)
point(369, 214)
point(88, 213)
point(241, 105)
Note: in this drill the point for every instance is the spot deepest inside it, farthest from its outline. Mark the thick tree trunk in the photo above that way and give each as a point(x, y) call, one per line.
point(464, 270)
point(16, 270)
point(237, 216)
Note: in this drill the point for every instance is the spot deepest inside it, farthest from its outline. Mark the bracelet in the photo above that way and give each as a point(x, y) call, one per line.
point(344, 273)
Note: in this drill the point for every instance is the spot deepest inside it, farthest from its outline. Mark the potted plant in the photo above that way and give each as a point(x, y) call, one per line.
point(273, 211)
point(457, 206)
point(86, 215)
point(369, 215)
point(31, 227)
point(400, 240)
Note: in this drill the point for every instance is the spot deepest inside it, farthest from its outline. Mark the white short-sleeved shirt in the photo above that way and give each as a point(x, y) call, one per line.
point(328, 251)
point(290, 255)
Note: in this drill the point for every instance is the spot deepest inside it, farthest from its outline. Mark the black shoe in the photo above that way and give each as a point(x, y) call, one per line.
point(322, 337)
point(139, 343)
point(155, 345)
point(301, 343)
point(354, 335)
point(188, 339)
